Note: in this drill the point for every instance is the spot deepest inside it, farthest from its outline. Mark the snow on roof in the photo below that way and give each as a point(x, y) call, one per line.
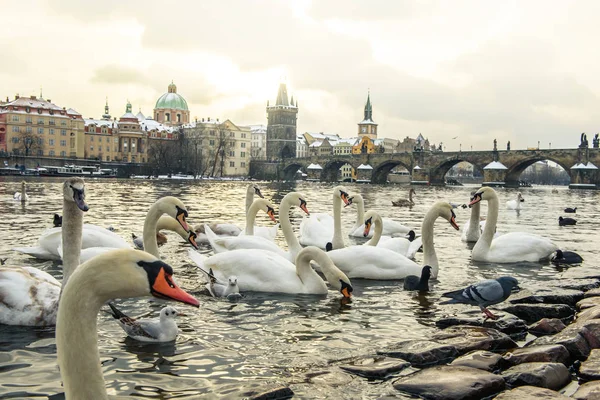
point(495, 165)
point(314, 166)
point(151, 124)
point(367, 122)
point(350, 141)
point(72, 112)
point(129, 115)
point(140, 116)
point(98, 122)
point(589, 165)
point(417, 167)
point(321, 135)
point(364, 166)
point(317, 143)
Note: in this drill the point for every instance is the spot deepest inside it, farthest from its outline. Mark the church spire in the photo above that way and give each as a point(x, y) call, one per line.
point(106, 111)
point(128, 107)
point(368, 108)
point(282, 96)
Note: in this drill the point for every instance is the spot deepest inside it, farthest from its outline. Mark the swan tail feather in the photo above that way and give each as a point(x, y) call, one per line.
point(199, 260)
point(116, 313)
point(213, 239)
point(37, 252)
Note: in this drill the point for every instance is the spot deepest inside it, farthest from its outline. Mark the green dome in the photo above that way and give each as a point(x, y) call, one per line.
point(172, 100)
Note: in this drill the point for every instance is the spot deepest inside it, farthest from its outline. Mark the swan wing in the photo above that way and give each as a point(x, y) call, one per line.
point(390, 226)
point(520, 246)
point(316, 230)
point(370, 262)
point(414, 247)
point(267, 232)
point(397, 245)
point(27, 297)
point(229, 243)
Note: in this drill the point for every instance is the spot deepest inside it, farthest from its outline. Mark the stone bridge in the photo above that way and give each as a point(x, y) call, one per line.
point(499, 168)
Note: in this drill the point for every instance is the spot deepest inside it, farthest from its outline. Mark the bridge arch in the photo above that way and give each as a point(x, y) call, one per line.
point(438, 173)
point(290, 170)
point(381, 170)
point(331, 169)
point(514, 171)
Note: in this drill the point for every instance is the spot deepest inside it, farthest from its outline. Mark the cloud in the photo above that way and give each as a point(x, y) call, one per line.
point(116, 74)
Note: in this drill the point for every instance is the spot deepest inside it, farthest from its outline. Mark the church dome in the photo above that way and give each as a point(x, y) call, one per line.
point(171, 100)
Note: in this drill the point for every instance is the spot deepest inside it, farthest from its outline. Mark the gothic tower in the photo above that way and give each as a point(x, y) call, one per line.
point(368, 127)
point(281, 127)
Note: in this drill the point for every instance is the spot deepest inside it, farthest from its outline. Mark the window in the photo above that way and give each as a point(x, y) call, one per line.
point(15, 118)
point(178, 117)
point(243, 164)
point(232, 154)
point(28, 119)
point(51, 153)
point(232, 163)
point(116, 140)
point(100, 139)
point(40, 121)
point(107, 149)
point(63, 153)
point(231, 134)
point(51, 142)
point(15, 140)
point(63, 132)
point(212, 142)
point(63, 142)
point(41, 131)
point(107, 158)
point(40, 141)
point(91, 138)
point(15, 129)
point(51, 131)
point(167, 117)
point(63, 123)
point(51, 122)
point(40, 152)
point(243, 154)
point(243, 145)
point(212, 133)
point(243, 136)
point(92, 148)
point(28, 129)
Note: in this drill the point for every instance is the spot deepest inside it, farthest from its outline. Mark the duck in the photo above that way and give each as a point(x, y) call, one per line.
point(154, 330)
point(420, 283)
point(57, 221)
point(264, 271)
point(21, 196)
point(320, 228)
point(484, 294)
point(510, 247)
point(407, 246)
point(405, 202)
point(390, 227)
point(368, 262)
point(515, 204)
point(570, 210)
point(122, 273)
point(566, 221)
point(218, 288)
point(28, 295)
point(566, 257)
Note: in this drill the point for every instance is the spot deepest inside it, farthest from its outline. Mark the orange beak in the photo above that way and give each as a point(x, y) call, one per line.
point(181, 220)
point(165, 288)
point(475, 200)
point(346, 293)
point(453, 223)
point(367, 229)
point(344, 197)
point(271, 214)
point(192, 239)
point(303, 208)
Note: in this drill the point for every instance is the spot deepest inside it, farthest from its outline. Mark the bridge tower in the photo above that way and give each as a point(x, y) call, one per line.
point(281, 127)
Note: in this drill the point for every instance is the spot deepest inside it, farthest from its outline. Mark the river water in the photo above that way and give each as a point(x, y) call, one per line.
point(228, 349)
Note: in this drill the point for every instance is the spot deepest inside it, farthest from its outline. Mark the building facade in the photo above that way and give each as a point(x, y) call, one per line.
point(171, 108)
point(258, 145)
point(281, 126)
point(34, 126)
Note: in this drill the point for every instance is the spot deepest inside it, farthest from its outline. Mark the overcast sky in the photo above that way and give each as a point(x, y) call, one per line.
point(524, 71)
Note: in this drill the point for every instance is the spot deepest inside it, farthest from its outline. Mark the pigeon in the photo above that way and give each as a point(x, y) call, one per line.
point(570, 210)
point(413, 282)
point(157, 330)
point(57, 221)
point(484, 293)
point(229, 289)
point(566, 257)
point(566, 221)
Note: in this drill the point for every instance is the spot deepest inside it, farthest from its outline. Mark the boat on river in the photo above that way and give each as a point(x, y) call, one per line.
point(75, 170)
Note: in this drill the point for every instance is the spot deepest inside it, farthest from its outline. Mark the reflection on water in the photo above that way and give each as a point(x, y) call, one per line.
point(227, 349)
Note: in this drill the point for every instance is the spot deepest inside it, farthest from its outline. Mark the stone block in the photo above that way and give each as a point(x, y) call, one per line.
point(507, 323)
point(588, 391)
point(479, 359)
point(590, 368)
point(469, 338)
point(547, 375)
point(531, 393)
point(570, 337)
point(587, 302)
point(546, 326)
point(534, 312)
point(592, 293)
point(422, 353)
point(375, 367)
point(545, 353)
point(550, 296)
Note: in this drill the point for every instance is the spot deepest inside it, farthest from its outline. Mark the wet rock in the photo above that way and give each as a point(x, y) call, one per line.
point(281, 392)
point(590, 368)
point(547, 326)
point(530, 393)
point(587, 302)
point(588, 391)
point(375, 367)
point(507, 323)
point(534, 312)
point(422, 353)
point(590, 330)
point(469, 338)
point(588, 314)
point(330, 378)
point(479, 359)
point(550, 296)
point(580, 273)
point(548, 353)
point(576, 284)
point(570, 337)
point(547, 375)
point(451, 382)
point(592, 293)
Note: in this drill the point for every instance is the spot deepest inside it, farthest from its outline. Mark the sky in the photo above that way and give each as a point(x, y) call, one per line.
point(460, 72)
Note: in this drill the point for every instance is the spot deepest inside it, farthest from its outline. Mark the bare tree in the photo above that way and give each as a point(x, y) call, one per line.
point(193, 152)
point(162, 154)
point(222, 145)
point(30, 143)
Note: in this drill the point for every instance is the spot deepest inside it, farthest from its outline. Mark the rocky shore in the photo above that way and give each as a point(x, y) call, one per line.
point(545, 345)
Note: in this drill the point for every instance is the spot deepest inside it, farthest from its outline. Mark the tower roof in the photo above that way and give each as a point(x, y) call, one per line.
point(282, 96)
point(368, 110)
point(172, 100)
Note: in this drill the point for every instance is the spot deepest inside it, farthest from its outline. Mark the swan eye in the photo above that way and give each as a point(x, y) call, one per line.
point(169, 282)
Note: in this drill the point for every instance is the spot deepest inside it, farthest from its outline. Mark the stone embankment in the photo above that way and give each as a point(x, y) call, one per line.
point(545, 345)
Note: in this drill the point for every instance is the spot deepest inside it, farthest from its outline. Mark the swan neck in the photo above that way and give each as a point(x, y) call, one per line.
point(251, 218)
point(378, 230)
point(171, 224)
point(410, 192)
point(77, 340)
point(307, 274)
point(429, 255)
point(150, 226)
point(492, 218)
point(286, 228)
point(72, 230)
point(475, 215)
point(337, 241)
point(249, 197)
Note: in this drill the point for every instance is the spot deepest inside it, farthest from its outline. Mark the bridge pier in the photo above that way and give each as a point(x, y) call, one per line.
point(584, 176)
point(494, 175)
point(364, 173)
point(420, 176)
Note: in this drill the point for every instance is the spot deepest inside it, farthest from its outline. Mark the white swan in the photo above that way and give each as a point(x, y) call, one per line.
point(389, 225)
point(317, 229)
point(263, 271)
point(510, 247)
point(370, 262)
point(515, 204)
point(397, 244)
point(121, 273)
point(29, 296)
point(471, 230)
point(222, 244)
point(21, 196)
point(174, 221)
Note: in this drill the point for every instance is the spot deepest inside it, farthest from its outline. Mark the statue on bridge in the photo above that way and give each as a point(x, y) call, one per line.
point(495, 145)
point(584, 142)
point(508, 146)
point(596, 142)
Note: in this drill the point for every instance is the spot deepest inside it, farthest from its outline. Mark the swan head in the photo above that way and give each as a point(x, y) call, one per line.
point(342, 192)
point(266, 206)
point(371, 217)
point(445, 211)
point(357, 198)
point(173, 207)
point(74, 191)
point(485, 193)
point(168, 313)
point(192, 239)
point(297, 199)
point(255, 189)
point(336, 278)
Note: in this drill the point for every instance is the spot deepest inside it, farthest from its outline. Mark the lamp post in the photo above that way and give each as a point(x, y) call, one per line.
point(550, 145)
point(538, 144)
point(460, 147)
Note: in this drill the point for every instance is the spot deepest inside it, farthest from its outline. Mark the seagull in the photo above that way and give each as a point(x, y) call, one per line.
point(157, 330)
point(216, 288)
point(454, 137)
point(484, 293)
point(413, 282)
point(566, 257)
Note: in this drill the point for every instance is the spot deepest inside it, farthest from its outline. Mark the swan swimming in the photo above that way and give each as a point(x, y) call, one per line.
point(316, 230)
point(389, 227)
point(404, 246)
point(510, 247)
point(515, 204)
point(21, 196)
